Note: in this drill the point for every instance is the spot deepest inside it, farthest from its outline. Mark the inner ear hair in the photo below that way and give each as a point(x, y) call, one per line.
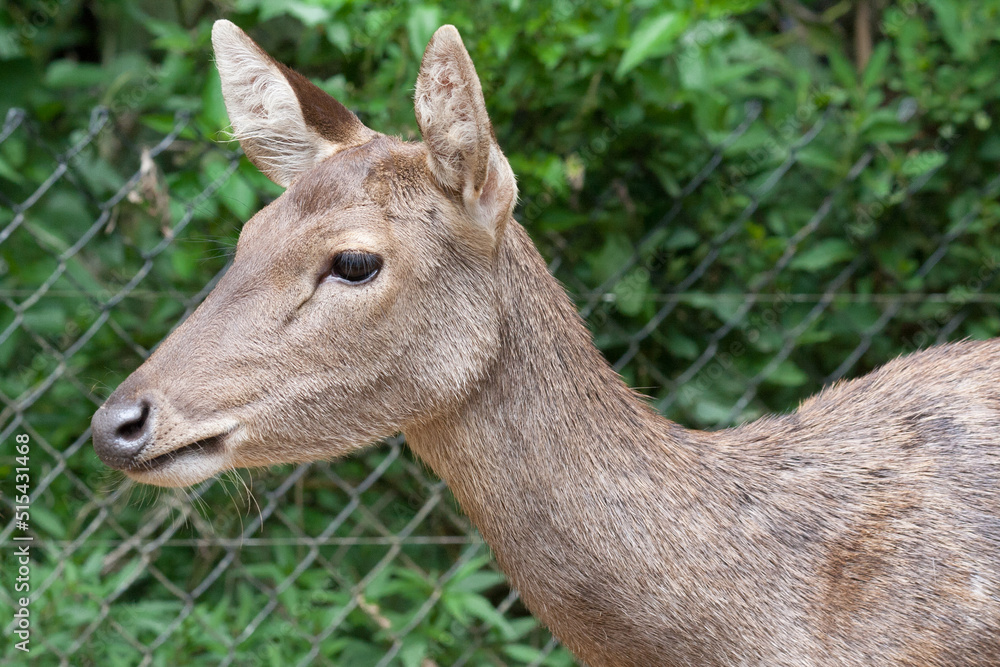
point(284, 122)
point(463, 154)
point(451, 112)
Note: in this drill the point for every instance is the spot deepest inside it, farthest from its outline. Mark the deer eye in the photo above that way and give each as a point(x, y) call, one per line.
point(355, 266)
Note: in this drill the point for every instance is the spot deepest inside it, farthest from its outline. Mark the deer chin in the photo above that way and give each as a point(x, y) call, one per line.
point(186, 464)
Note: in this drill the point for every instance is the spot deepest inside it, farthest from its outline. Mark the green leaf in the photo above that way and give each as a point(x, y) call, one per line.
point(819, 157)
point(883, 125)
point(132, 571)
point(681, 346)
point(823, 254)
point(71, 74)
point(923, 162)
point(522, 626)
point(631, 291)
point(339, 35)
point(708, 411)
point(616, 251)
point(843, 69)
point(875, 69)
point(523, 653)
point(787, 374)
point(655, 36)
point(481, 608)
point(309, 13)
point(952, 28)
point(213, 107)
point(682, 237)
point(48, 522)
point(8, 172)
point(45, 318)
point(420, 26)
point(169, 35)
point(237, 196)
point(478, 582)
point(727, 8)
point(413, 651)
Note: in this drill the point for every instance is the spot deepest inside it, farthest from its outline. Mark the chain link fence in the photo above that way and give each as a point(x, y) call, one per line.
point(731, 304)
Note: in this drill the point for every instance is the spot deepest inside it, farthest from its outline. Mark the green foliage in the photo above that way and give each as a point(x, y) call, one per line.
point(838, 209)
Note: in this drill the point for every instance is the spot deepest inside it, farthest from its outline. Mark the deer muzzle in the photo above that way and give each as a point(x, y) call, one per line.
point(144, 437)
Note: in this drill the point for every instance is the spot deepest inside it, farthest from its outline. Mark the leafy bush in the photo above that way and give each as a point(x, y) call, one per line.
point(746, 198)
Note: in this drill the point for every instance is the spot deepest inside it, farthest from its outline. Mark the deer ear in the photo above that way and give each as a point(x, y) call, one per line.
point(285, 123)
point(463, 153)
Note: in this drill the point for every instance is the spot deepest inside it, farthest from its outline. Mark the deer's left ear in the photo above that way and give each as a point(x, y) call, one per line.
point(463, 153)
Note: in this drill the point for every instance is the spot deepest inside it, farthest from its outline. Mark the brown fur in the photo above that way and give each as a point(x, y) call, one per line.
point(862, 529)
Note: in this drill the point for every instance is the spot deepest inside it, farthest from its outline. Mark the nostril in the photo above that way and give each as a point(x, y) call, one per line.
point(133, 427)
point(122, 429)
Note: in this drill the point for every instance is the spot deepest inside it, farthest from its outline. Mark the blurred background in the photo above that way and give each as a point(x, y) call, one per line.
point(746, 198)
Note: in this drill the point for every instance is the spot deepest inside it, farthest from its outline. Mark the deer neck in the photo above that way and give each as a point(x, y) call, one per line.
point(554, 458)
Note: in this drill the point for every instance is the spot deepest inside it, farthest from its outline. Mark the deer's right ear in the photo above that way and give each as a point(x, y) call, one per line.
point(284, 123)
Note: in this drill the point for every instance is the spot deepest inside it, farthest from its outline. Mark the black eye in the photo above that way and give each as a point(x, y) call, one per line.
point(355, 266)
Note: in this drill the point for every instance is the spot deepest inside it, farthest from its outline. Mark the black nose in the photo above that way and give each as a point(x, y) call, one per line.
point(121, 429)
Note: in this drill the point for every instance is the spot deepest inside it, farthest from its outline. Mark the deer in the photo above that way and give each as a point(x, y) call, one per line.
point(389, 289)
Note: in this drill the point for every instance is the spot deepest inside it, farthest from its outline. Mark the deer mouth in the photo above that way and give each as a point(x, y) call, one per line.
point(205, 447)
point(161, 462)
point(185, 465)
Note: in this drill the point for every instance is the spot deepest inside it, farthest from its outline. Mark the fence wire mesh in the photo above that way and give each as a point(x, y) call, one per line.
point(712, 310)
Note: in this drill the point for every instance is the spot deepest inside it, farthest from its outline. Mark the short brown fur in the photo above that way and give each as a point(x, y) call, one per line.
point(862, 529)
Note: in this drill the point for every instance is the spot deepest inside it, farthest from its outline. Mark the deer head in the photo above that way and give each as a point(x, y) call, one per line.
point(359, 302)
